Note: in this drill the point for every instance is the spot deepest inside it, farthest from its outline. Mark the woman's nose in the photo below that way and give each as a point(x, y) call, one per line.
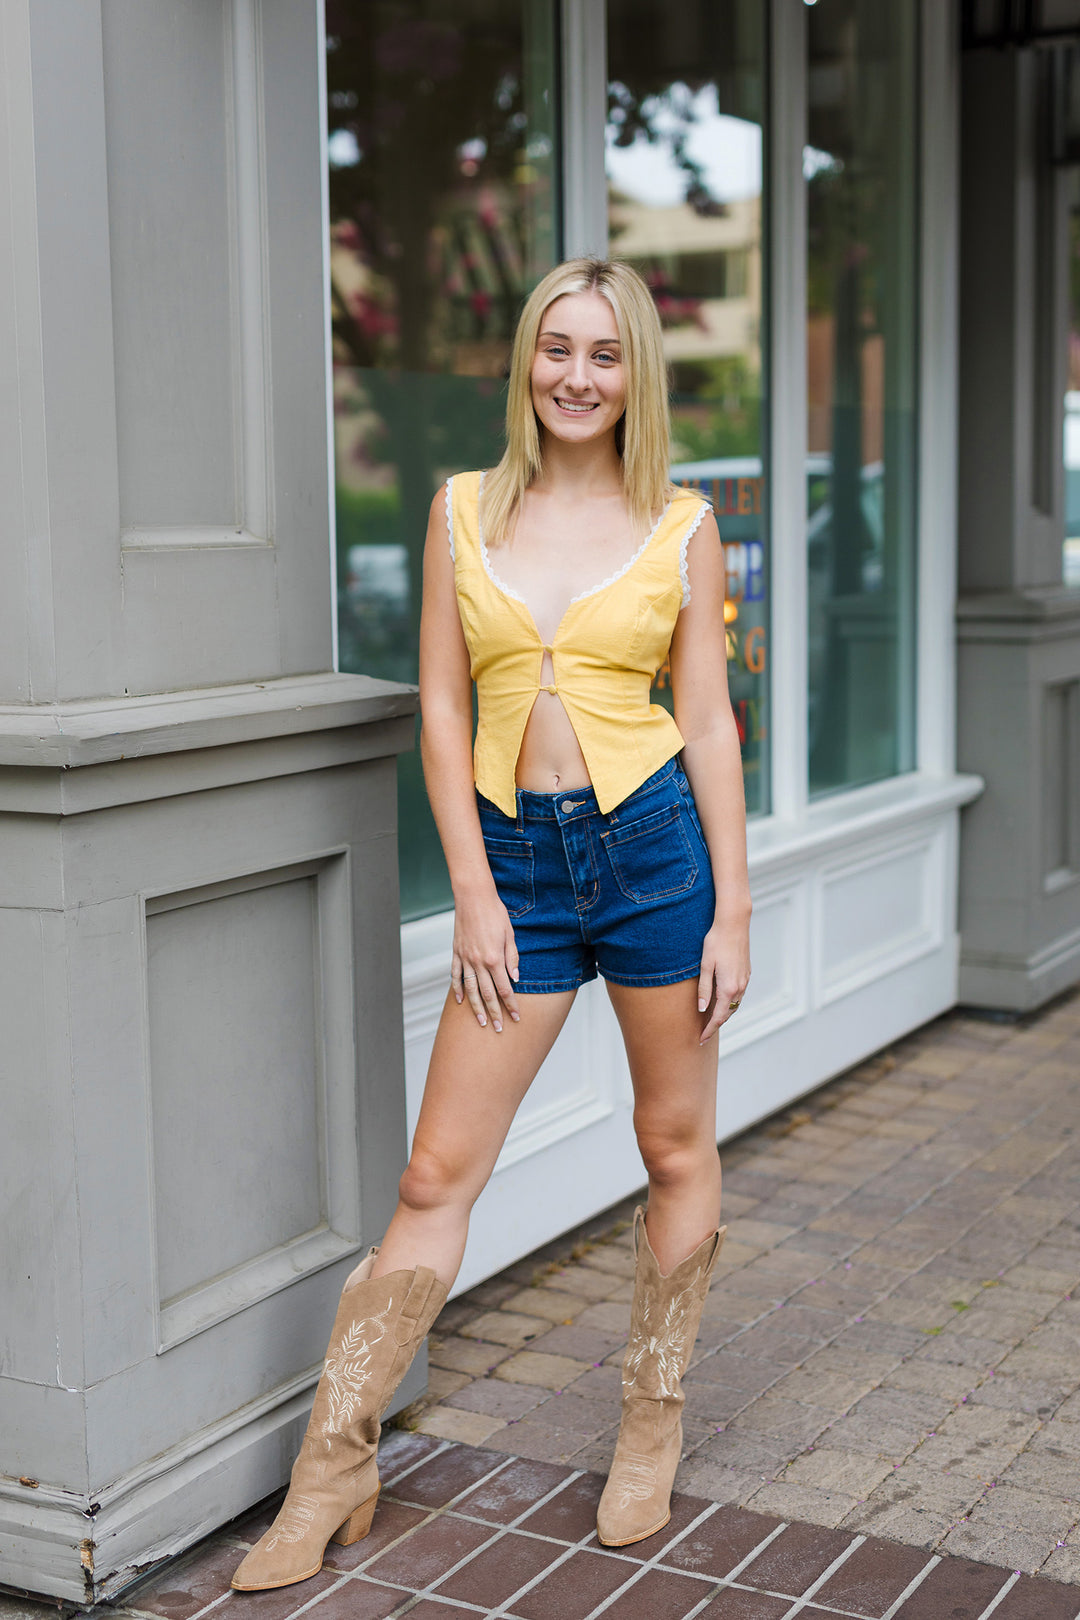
point(577, 375)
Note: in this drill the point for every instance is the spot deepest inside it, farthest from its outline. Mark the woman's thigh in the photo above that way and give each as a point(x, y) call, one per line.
point(476, 1080)
point(674, 1076)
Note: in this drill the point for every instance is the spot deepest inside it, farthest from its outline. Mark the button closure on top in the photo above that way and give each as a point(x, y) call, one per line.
point(550, 689)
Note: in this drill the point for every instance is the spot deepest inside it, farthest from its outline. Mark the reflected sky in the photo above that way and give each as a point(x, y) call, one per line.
point(728, 151)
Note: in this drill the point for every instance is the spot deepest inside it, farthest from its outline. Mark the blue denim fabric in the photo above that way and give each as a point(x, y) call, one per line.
point(629, 893)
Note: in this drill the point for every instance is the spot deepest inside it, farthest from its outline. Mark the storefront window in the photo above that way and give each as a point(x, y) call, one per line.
point(686, 111)
point(860, 167)
point(444, 212)
point(1072, 391)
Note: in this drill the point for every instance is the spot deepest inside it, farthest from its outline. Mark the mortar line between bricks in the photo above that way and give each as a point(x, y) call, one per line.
point(405, 1472)
point(978, 1379)
point(651, 1563)
point(994, 1601)
point(956, 1237)
point(352, 1574)
point(570, 1549)
point(500, 1532)
point(912, 1586)
point(800, 1603)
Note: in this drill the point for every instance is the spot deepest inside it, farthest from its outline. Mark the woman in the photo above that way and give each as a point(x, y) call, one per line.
point(576, 843)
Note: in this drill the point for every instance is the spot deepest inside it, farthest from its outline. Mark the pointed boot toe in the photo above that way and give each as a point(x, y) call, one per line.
point(664, 1320)
point(381, 1323)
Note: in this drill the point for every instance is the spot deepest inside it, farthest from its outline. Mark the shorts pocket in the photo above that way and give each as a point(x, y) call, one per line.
point(511, 863)
point(652, 858)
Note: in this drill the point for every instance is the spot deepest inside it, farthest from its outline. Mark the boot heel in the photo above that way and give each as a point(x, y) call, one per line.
point(358, 1524)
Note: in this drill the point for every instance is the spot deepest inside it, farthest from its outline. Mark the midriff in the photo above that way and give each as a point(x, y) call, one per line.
point(550, 758)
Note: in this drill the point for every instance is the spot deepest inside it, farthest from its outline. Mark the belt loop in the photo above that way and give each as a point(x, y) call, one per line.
point(519, 801)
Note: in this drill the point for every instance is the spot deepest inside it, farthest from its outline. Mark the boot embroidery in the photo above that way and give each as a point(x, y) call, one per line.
point(348, 1368)
point(661, 1342)
point(635, 1479)
point(294, 1522)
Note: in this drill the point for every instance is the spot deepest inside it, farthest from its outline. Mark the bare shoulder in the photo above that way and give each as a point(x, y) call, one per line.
point(704, 548)
point(439, 515)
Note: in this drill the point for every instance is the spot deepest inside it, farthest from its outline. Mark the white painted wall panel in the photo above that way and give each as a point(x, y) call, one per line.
point(876, 913)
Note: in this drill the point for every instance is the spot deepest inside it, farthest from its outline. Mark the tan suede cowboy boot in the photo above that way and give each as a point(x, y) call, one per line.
point(664, 1320)
point(379, 1327)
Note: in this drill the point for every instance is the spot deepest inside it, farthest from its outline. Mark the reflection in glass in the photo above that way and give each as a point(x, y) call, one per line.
point(860, 167)
point(684, 144)
point(443, 214)
point(1071, 572)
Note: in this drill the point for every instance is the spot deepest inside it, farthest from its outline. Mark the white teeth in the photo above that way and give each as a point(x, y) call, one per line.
point(568, 405)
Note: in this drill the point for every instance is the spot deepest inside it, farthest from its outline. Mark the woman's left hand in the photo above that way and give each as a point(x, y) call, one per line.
point(725, 973)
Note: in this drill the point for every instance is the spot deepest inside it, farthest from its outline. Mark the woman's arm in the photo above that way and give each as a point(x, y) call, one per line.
point(485, 957)
point(713, 764)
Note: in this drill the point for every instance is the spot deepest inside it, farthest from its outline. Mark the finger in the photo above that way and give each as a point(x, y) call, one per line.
point(512, 963)
point(506, 993)
point(705, 988)
point(713, 1025)
point(455, 978)
point(719, 1015)
point(491, 1000)
point(472, 991)
point(726, 1003)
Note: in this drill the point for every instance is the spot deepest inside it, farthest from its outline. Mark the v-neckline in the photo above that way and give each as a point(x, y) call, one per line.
point(582, 596)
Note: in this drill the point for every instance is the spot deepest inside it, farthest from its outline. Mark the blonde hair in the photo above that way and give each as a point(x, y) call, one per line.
point(643, 436)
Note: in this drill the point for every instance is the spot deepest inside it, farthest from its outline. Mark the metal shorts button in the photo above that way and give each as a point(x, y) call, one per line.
point(568, 805)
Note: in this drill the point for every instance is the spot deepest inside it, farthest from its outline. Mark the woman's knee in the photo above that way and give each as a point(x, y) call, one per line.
point(432, 1180)
point(675, 1155)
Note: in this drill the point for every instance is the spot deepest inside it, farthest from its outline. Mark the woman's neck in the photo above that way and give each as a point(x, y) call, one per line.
point(578, 471)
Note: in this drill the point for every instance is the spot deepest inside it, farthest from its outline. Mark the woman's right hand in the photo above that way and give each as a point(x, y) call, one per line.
point(485, 959)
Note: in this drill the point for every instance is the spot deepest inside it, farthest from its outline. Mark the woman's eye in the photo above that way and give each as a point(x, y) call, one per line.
point(609, 359)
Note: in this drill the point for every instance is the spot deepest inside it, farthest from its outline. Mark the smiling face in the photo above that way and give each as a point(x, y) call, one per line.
point(577, 378)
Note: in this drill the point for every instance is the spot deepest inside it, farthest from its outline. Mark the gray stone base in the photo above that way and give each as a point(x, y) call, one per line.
point(1020, 986)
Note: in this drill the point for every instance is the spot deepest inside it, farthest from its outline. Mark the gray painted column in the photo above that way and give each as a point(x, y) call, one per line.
point(199, 972)
point(1018, 625)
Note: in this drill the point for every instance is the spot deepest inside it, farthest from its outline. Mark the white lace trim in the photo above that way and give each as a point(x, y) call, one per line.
point(450, 519)
point(507, 590)
point(613, 579)
point(684, 572)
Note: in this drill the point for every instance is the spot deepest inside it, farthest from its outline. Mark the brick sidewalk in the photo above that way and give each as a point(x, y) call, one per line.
point(886, 1375)
point(890, 1345)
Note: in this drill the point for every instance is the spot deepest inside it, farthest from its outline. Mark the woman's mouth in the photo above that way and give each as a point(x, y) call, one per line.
point(576, 407)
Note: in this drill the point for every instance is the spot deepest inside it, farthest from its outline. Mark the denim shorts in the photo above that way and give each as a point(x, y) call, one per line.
point(628, 894)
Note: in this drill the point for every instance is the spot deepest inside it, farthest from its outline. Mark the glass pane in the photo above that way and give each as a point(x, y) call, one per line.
point(1071, 572)
point(860, 166)
point(686, 111)
point(443, 214)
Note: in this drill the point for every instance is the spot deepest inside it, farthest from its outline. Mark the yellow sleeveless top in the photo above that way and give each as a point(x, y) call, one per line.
point(605, 655)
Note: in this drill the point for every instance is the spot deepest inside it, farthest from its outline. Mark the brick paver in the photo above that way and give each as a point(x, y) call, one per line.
point(883, 1407)
point(462, 1531)
point(891, 1345)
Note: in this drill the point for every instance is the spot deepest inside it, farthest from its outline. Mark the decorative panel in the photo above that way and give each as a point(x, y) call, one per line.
point(878, 913)
point(253, 1113)
point(235, 1079)
point(172, 207)
point(1061, 778)
point(778, 987)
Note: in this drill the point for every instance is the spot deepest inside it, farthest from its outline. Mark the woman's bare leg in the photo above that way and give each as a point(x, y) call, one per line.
point(674, 1113)
point(475, 1082)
